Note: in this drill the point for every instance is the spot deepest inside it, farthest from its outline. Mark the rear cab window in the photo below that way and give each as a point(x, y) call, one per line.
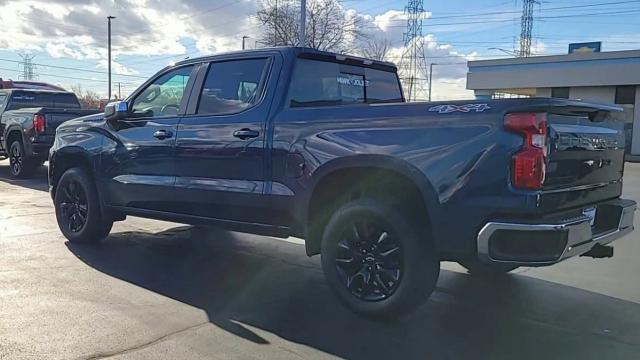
point(33, 99)
point(324, 83)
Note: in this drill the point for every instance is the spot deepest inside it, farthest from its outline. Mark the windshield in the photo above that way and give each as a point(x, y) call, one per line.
point(32, 99)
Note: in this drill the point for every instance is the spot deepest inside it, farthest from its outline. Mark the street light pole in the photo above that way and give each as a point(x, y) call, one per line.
point(245, 37)
point(430, 78)
point(109, 18)
point(303, 22)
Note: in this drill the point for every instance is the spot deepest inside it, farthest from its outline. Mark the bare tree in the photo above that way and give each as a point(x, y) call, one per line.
point(88, 99)
point(329, 26)
point(376, 48)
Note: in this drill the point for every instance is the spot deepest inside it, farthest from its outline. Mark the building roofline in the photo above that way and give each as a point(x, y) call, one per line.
point(607, 55)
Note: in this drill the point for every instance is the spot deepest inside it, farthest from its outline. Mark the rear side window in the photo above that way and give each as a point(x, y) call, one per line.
point(31, 99)
point(232, 86)
point(321, 83)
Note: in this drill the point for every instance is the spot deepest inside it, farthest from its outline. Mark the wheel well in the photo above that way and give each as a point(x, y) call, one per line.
point(341, 186)
point(11, 137)
point(65, 162)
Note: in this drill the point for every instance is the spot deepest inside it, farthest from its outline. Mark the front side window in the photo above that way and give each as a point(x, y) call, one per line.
point(163, 96)
point(3, 98)
point(232, 86)
point(322, 83)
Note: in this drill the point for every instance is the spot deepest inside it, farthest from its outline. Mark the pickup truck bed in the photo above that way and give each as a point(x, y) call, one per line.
point(28, 122)
point(322, 146)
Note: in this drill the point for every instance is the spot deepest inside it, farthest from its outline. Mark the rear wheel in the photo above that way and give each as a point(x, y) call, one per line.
point(377, 263)
point(21, 165)
point(78, 209)
point(476, 267)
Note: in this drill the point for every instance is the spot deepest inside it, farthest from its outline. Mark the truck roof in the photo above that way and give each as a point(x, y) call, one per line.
point(45, 91)
point(28, 85)
point(301, 52)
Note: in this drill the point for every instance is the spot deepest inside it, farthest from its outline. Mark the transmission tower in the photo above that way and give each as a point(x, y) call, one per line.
point(526, 33)
point(413, 64)
point(28, 68)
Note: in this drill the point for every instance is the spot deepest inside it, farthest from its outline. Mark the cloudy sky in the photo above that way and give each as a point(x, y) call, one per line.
point(68, 37)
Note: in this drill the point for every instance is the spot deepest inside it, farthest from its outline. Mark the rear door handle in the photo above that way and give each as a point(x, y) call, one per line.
point(244, 134)
point(162, 134)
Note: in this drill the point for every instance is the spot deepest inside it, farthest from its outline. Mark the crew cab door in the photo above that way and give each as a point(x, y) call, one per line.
point(221, 144)
point(140, 166)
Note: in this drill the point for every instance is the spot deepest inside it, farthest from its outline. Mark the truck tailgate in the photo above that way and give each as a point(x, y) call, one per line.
point(585, 162)
point(55, 117)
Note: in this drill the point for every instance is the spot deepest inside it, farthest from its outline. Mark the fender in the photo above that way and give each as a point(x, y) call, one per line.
point(373, 161)
point(11, 128)
point(67, 151)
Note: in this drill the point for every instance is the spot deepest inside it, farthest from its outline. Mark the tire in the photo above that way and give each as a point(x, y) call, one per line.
point(79, 212)
point(399, 280)
point(20, 165)
point(475, 267)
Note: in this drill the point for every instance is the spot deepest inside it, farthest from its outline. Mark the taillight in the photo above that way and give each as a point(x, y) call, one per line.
point(529, 161)
point(38, 123)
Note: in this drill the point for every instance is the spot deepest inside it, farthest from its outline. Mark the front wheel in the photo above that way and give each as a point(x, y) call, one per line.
point(78, 209)
point(377, 263)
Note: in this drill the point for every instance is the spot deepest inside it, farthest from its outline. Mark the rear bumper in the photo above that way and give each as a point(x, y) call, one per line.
point(531, 243)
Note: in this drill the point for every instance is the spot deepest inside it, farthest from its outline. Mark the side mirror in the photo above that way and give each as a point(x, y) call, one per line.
point(116, 110)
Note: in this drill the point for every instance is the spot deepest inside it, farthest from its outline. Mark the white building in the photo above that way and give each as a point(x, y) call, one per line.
point(606, 77)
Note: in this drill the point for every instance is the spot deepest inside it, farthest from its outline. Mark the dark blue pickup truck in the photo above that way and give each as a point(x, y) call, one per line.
point(298, 142)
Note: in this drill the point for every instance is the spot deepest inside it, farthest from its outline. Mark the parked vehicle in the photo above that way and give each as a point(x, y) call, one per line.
point(28, 121)
point(298, 142)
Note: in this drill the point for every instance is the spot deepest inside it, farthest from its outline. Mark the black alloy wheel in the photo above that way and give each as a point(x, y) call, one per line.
point(377, 259)
point(369, 261)
point(74, 206)
point(21, 165)
point(79, 212)
point(16, 158)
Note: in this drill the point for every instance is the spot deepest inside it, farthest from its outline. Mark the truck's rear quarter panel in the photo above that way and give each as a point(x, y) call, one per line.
point(461, 159)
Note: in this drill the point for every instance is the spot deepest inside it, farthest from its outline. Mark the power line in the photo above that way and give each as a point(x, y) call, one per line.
point(76, 69)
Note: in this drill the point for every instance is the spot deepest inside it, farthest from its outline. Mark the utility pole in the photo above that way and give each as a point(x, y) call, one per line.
point(109, 18)
point(245, 37)
point(303, 23)
point(28, 68)
point(119, 92)
point(413, 64)
point(527, 27)
point(431, 78)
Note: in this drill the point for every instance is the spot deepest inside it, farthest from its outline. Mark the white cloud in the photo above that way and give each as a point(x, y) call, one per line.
point(116, 67)
point(76, 29)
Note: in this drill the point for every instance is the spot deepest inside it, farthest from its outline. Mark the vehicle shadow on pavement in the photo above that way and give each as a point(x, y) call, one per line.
point(246, 281)
point(37, 182)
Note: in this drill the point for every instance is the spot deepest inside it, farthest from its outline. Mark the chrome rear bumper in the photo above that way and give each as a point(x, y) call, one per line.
point(577, 232)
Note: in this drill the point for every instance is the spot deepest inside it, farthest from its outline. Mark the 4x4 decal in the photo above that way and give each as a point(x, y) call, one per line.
point(446, 109)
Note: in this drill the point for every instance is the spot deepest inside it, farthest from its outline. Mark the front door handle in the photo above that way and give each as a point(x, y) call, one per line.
point(244, 134)
point(162, 134)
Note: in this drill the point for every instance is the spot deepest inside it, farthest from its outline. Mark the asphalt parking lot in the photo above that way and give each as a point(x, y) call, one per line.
point(162, 290)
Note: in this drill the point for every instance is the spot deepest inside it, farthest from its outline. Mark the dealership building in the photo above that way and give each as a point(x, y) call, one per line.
point(606, 77)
